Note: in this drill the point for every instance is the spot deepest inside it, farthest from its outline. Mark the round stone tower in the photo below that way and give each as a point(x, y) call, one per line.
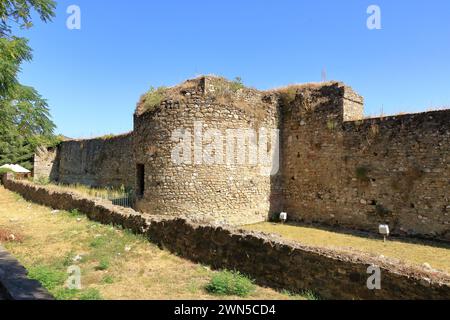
point(208, 150)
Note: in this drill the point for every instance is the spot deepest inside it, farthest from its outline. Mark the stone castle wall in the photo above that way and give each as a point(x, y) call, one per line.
point(101, 162)
point(334, 168)
point(396, 170)
point(362, 173)
point(268, 259)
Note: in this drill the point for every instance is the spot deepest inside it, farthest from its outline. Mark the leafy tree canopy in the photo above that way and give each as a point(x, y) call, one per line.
point(24, 115)
point(18, 12)
point(14, 50)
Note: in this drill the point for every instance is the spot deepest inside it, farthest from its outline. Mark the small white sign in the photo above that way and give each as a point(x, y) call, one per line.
point(384, 229)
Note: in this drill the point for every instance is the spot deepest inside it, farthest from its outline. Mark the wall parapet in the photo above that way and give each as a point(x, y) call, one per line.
point(268, 259)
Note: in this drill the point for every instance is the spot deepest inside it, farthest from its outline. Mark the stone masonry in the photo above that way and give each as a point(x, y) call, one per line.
point(335, 168)
point(268, 259)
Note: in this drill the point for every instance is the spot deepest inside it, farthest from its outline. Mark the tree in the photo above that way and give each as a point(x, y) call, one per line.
point(25, 124)
point(19, 12)
point(24, 115)
point(14, 50)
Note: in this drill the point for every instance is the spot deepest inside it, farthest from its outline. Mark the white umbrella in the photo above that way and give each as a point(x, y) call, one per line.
point(15, 168)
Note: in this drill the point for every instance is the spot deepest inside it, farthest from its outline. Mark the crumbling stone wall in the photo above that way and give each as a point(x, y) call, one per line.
point(396, 170)
point(268, 259)
point(101, 162)
point(361, 173)
point(312, 152)
point(229, 191)
point(98, 162)
point(46, 164)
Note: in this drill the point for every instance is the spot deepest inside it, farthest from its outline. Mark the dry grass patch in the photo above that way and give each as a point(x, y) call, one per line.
point(114, 263)
point(412, 252)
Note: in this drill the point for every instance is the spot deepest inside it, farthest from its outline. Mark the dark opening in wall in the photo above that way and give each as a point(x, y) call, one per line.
point(140, 180)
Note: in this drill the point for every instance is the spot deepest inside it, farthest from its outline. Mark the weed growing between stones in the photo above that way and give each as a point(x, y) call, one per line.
point(153, 98)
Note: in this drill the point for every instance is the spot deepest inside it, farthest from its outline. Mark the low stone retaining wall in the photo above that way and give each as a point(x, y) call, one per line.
point(14, 282)
point(268, 259)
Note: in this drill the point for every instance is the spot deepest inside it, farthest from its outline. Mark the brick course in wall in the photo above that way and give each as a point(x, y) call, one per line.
point(268, 259)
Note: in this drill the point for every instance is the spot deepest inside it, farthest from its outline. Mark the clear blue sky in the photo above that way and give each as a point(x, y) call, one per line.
point(93, 77)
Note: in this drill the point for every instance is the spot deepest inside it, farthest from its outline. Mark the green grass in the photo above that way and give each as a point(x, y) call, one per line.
point(309, 295)
point(68, 259)
point(153, 98)
point(90, 294)
point(66, 294)
point(230, 283)
point(103, 265)
point(99, 242)
point(306, 294)
point(43, 181)
point(48, 276)
point(412, 252)
point(5, 170)
point(52, 241)
point(108, 279)
point(74, 213)
point(72, 294)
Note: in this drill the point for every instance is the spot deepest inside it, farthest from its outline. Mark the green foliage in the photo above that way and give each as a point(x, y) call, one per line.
point(13, 52)
point(91, 295)
point(98, 242)
point(68, 259)
point(74, 213)
point(65, 294)
point(107, 279)
point(153, 98)
point(103, 265)
point(24, 125)
point(18, 12)
point(231, 283)
point(24, 115)
point(237, 84)
point(49, 277)
point(303, 295)
point(4, 170)
point(43, 181)
point(310, 295)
